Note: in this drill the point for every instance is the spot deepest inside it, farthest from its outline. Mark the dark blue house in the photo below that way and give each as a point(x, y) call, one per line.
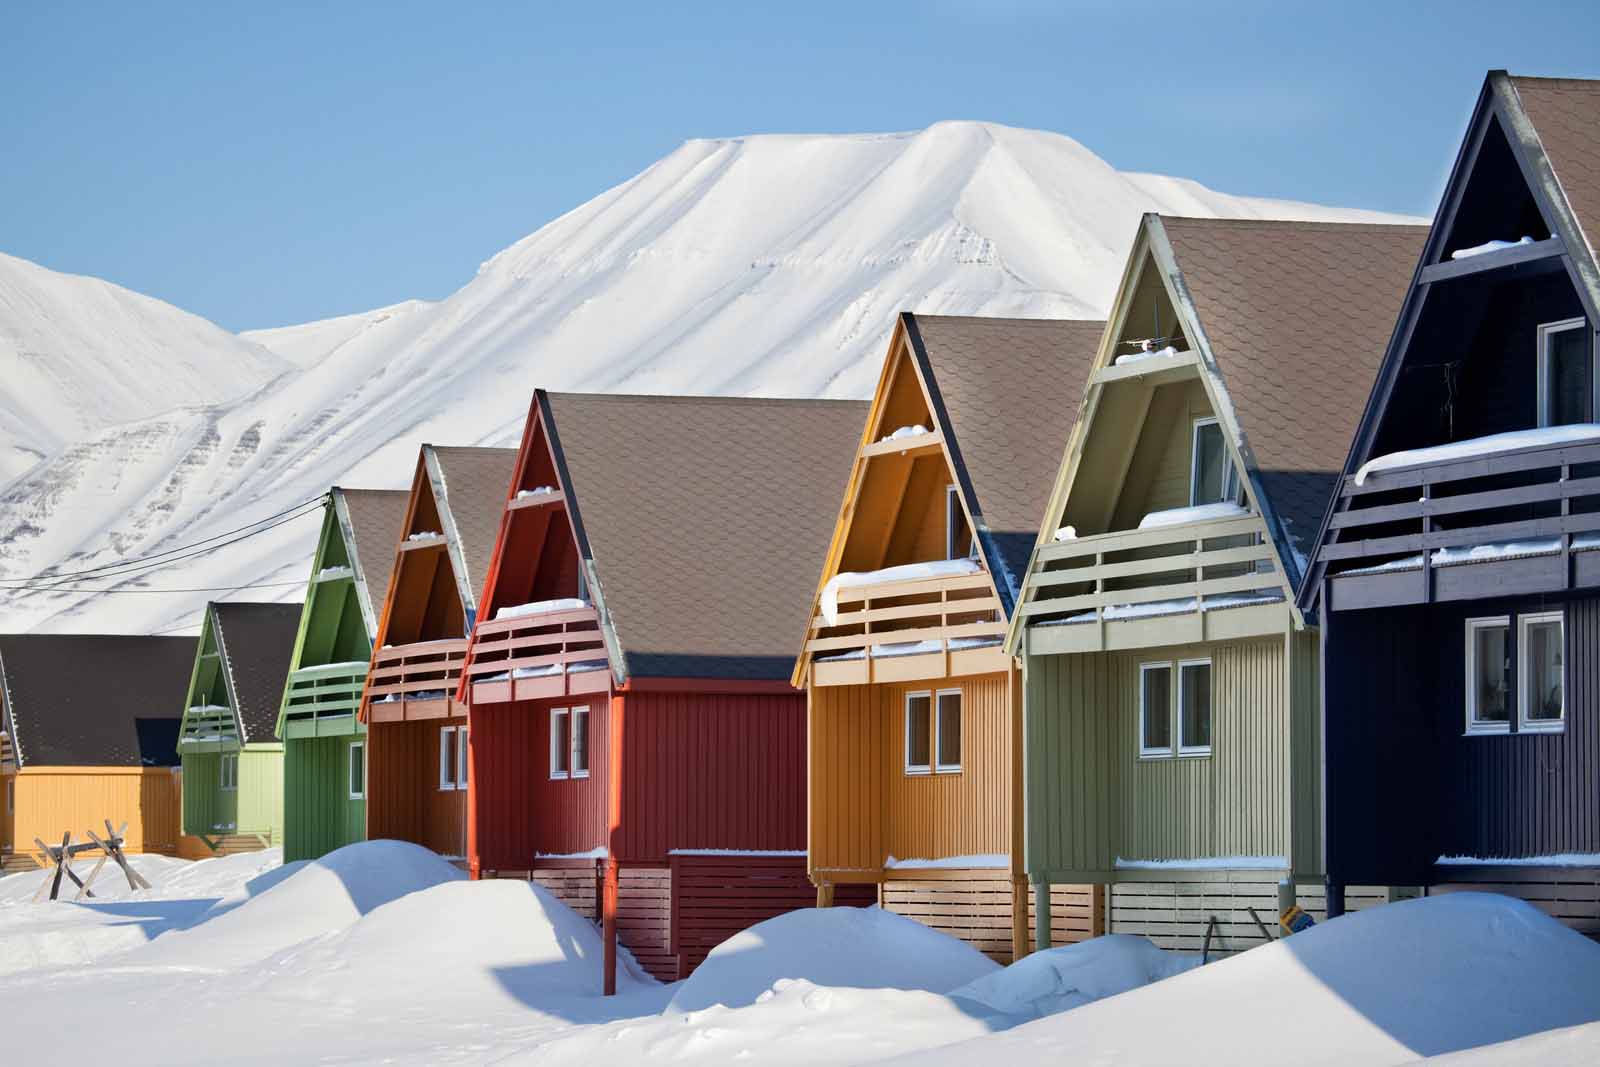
point(1457, 575)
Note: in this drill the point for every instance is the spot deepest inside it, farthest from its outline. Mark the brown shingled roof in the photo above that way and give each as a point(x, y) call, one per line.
point(476, 483)
point(707, 520)
point(95, 701)
point(256, 642)
point(1566, 114)
point(1298, 316)
point(1010, 389)
point(376, 518)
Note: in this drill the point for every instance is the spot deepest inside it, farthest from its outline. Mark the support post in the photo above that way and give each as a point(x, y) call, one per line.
point(824, 894)
point(1019, 917)
point(1099, 904)
point(1041, 916)
point(1335, 898)
point(608, 921)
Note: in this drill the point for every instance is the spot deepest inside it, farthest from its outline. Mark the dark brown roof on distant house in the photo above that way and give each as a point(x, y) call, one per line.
point(1566, 114)
point(707, 520)
point(94, 701)
point(1010, 389)
point(376, 518)
point(1298, 315)
point(477, 482)
point(256, 642)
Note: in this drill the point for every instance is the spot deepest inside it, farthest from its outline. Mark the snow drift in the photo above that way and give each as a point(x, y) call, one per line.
point(1060, 979)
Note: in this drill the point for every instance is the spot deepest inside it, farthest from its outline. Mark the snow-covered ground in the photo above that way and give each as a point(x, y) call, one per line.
point(381, 952)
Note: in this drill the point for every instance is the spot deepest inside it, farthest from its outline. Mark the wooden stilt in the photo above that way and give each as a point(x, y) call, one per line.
point(1019, 917)
point(824, 894)
point(609, 926)
point(1041, 916)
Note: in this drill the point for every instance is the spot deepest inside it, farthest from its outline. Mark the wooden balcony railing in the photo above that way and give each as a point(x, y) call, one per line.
point(415, 681)
point(320, 696)
point(1132, 588)
point(1503, 523)
point(549, 654)
point(209, 724)
point(902, 630)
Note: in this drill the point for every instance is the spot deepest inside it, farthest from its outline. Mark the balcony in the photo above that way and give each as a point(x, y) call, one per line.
point(1506, 515)
point(905, 630)
point(542, 655)
point(1211, 580)
point(322, 700)
point(415, 681)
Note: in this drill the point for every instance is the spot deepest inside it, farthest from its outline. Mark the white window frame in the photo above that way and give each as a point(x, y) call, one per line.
point(463, 755)
point(1230, 472)
point(358, 790)
point(1475, 728)
point(1524, 723)
point(1144, 712)
point(447, 760)
point(1544, 332)
point(1177, 716)
point(918, 769)
point(935, 713)
point(229, 759)
point(572, 738)
point(557, 715)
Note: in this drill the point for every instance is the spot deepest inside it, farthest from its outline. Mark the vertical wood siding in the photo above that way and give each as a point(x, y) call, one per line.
point(520, 810)
point(207, 810)
point(1305, 682)
point(260, 794)
point(1093, 799)
point(319, 815)
point(711, 771)
point(847, 778)
point(50, 801)
point(404, 800)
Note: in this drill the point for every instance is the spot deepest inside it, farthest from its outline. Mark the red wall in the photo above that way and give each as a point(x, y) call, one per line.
point(519, 810)
point(711, 771)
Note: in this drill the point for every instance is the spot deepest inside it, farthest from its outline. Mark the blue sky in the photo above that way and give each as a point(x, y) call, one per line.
point(277, 163)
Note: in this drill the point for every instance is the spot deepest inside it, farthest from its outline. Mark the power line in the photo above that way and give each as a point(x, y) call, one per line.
point(193, 589)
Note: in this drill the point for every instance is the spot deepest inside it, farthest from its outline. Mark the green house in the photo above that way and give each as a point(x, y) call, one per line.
point(324, 744)
point(228, 741)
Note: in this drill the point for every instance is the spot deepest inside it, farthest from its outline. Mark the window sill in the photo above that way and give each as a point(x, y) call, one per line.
point(1542, 727)
point(1168, 754)
point(579, 774)
point(1502, 730)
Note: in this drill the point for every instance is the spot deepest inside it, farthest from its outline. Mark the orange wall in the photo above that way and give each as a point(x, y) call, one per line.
point(404, 801)
point(52, 800)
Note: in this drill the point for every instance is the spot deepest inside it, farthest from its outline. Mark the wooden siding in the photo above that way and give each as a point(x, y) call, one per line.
point(260, 793)
point(1092, 799)
point(1175, 914)
point(644, 919)
point(207, 810)
point(710, 771)
point(864, 807)
point(520, 811)
point(319, 815)
point(1570, 895)
point(404, 800)
point(52, 800)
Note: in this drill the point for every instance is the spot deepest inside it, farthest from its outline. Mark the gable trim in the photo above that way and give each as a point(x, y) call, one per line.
point(452, 535)
point(7, 704)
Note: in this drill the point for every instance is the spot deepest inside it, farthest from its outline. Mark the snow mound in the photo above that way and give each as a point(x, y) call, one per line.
point(1060, 979)
point(861, 948)
point(299, 902)
point(1384, 985)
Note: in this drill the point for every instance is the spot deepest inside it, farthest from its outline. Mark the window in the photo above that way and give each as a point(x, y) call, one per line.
point(1564, 373)
point(11, 796)
point(1194, 707)
point(918, 742)
point(463, 751)
point(1489, 675)
point(1155, 709)
point(1212, 478)
point(358, 770)
point(569, 743)
point(1541, 705)
point(958, 543)
point(449, 761)
point(948, 734)
point(230, 772)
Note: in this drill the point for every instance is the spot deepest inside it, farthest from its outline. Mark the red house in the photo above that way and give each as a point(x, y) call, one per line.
point(635, 741)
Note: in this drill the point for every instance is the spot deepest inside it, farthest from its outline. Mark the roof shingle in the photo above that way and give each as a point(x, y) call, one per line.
point(376, 518)
point(256, 642)
point(1566, 114)
point(477, 482)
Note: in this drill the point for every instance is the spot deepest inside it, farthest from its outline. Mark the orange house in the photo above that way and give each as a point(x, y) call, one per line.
point(89, 732)
point(416, 729)
point(915, 709)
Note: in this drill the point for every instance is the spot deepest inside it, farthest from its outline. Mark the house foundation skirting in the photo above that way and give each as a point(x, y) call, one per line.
point(1570, 895)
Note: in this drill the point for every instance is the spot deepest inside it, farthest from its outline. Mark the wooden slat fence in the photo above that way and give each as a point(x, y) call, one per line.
point(1174, 914)
point(975, 906)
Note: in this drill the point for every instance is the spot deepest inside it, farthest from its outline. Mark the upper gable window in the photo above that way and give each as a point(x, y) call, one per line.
point(1565, 373)
point(958, 543)
point(1212, 478)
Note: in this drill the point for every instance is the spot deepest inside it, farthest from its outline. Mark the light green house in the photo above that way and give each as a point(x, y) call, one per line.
point(1171, 685)
point(228, 742)
point(325, 744)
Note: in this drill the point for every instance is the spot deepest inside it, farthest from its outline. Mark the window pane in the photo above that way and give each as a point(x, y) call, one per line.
point(1194, 722)
point(580, 740)
point(1567, 371)
point(462, 760)
point(447, 758)
point(958, 538)
point(1543, 683)
point(1491, 674)
point(358, 770)
point(1155, 703)
point(917, 710)
point(949, 729)
point(560, 744)
point(1210, 465)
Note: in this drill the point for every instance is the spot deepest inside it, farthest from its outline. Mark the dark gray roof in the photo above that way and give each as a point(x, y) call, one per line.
point(256, 642)
point(707, 519)
point(476, 484)
point(1566, 114)
point(376, 520)
point(93, 701)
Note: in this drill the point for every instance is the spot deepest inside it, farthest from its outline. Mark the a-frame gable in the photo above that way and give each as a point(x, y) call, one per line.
point(1501, 149)
point(211, 708)
point(424, 600)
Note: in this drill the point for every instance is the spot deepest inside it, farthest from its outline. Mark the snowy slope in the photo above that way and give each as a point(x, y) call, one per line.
point(761, 265)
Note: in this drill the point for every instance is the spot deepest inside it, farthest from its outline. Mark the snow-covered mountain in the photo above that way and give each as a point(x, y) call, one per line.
point(759, 265)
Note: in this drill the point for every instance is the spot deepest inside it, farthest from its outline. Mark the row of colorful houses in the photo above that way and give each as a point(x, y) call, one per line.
point(1285, 572)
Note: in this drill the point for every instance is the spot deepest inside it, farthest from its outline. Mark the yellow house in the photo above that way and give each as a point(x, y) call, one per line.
point(88, 732)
